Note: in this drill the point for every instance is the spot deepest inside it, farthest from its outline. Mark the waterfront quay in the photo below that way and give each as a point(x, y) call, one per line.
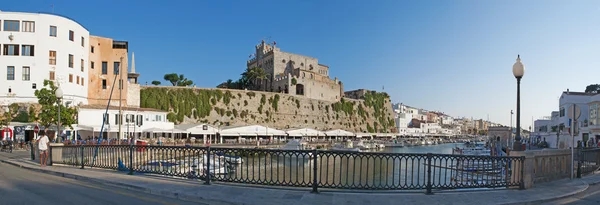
point(165, 187)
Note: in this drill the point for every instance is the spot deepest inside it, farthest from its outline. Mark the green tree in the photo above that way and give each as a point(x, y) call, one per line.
point(172, 77)
point(49, 109)
point(155, 82)
point(593, 88)
point(178, 80)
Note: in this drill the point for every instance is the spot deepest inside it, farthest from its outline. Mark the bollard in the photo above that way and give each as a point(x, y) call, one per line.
point(49, 158)
point(31, 148)
point(315, 185)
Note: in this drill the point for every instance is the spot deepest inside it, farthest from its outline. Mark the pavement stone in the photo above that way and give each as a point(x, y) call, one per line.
point(225, 193)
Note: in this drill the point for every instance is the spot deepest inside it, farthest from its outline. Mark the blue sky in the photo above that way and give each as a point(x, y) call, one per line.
point(451, 56)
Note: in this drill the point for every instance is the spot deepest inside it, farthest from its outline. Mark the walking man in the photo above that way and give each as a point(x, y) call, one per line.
point(43, 147)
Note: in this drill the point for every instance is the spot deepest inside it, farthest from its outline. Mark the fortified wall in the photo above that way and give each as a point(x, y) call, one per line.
point(281, 111)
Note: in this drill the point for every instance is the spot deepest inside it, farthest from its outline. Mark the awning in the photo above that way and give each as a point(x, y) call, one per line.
point(301, 132)
point(339, 133)
point(251, 130)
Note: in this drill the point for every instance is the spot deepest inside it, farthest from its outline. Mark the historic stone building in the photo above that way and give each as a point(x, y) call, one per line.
point(295, 74)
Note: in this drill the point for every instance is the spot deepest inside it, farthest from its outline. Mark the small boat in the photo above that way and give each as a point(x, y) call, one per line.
point(394, 143)
point(296, 145)
point(345, 146)
point(230, 158)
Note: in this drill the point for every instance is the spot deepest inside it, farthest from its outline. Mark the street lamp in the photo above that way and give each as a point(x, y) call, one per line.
point(59, 95)
point(518, 71)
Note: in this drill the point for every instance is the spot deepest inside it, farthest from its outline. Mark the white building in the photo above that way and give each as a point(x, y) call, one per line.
point(139, 122)
point(38, 47)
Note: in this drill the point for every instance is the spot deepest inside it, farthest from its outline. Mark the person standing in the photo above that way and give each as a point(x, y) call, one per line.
point(43, 147)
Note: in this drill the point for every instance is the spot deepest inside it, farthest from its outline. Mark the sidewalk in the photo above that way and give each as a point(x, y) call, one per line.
point(234, 194)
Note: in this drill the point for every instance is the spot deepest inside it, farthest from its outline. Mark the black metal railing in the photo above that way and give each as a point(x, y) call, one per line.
point(588, 160)
point(303, 168)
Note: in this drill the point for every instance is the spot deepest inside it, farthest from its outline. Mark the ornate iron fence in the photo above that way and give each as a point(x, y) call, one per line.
point(588, 160)
point(302, 168)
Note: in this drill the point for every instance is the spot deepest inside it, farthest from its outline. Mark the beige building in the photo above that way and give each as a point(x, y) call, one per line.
point(295, 74)
point(106, 58)
point(502, 132)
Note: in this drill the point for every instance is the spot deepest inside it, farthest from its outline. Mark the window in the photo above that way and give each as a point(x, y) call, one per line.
point(53, 31)
point(82, 81)
point(82, 41)
point(70, 61)
point(52, 57)
point(26, 74)
point(28, 26)
point(10, 73)
point(104, 84)
point(71, 36)
point(116, 67)
point(82, 63)
point(70, 78)
point(77, 80)
point(106, 118)
point(104, 67)
point(92, 64)
point(52, 75)
point(117, 121)
point(33, 86)
point(27, 50)
point(11, 50)
point(11, 25)
point(562, 112)
point(92, 49)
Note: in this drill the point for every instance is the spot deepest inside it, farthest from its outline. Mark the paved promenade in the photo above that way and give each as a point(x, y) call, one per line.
point(220, 193)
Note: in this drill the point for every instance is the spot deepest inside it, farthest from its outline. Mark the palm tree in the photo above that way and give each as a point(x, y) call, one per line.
point(261, 75)
point(253, 75)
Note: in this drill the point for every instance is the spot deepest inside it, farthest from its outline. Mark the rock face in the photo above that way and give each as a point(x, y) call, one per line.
point(277, 110)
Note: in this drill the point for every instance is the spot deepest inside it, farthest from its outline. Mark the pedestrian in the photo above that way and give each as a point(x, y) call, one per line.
point(43, 147)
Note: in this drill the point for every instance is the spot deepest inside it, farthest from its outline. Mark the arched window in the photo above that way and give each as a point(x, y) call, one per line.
point(303, 75)
point(311, 76)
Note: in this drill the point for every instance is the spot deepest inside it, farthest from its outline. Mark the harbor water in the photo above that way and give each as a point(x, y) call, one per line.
point(379, 170)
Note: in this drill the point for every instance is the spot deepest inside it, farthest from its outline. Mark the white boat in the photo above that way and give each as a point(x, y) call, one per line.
point(231, 159)
point(345, 146)
point(296, 145)
point(361, 145)
point(394, 143)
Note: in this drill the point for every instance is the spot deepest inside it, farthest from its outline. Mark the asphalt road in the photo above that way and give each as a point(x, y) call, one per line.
point(589, 196)
point(21, 186)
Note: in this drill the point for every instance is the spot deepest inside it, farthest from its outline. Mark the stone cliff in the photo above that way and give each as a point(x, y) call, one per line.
point(281, 111)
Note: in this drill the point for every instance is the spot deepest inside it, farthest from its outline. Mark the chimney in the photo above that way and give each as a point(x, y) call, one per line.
point(132, 62)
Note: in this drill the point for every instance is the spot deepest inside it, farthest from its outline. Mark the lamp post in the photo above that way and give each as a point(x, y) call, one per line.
point(59, 95)
point(518, 71)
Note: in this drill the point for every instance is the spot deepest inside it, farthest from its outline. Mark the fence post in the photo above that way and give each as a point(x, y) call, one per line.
point(579, 161)
point(207, 166)
point(315, 185)
point(429, 192)
point(522, 178)
point(131, 148)
point(50, 155)
point(82, 160)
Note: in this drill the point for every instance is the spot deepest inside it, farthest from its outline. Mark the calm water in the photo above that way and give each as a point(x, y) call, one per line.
point(364, 171)
point(434, 149)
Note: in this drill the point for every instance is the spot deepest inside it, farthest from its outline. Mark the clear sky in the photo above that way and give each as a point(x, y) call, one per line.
point(451, 56)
